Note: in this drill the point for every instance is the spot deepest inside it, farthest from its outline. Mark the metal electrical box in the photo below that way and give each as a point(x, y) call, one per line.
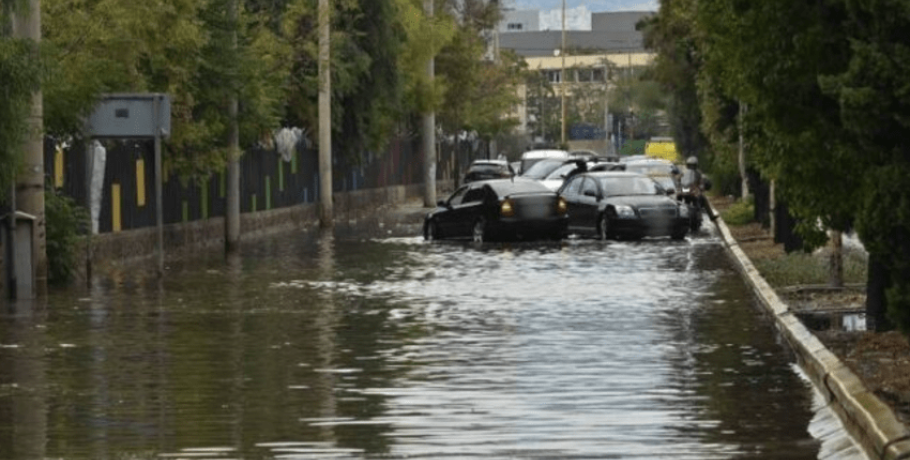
point(19, 268)
point(129, 115)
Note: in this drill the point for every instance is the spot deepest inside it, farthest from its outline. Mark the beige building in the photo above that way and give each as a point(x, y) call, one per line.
point(579, 71)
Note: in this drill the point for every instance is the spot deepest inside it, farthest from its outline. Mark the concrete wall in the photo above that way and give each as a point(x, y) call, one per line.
point(134, 246)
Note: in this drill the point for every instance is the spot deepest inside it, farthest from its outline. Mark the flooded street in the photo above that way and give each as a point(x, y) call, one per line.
point(375, 344)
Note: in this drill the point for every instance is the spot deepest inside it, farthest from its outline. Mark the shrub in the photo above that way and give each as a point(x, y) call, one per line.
point(740, 213)
point(64, 221)
point(800, 268)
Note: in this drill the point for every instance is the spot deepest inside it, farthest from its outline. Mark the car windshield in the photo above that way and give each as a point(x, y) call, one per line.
point(486, 168)
point(562, 171)
point(614, 186)
point(650, 168)
point(541, 169)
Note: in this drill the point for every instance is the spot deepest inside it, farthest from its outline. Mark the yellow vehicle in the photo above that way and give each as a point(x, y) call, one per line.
point(662, 147)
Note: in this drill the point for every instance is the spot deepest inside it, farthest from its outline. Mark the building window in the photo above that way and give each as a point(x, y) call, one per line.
point(598, 75)
point(584, 75)
point(515, 26)
point(553, 76)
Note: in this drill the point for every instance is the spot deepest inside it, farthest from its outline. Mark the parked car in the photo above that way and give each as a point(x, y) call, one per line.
point(487, 169)
point(619, 204)
point(542, 168)
point(499, 209)
point(531, 157)
point(663, 172)
point(558, 176)
point(583, 154)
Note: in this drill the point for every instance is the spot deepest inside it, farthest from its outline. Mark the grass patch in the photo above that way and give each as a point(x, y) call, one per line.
point(799, 268)
point(740, 213)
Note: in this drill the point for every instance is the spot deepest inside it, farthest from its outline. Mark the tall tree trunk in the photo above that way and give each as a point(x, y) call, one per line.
point(877, 282)
point(836, 259)
point(742, 153)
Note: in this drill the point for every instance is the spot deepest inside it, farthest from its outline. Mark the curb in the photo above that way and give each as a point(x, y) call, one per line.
point(868, 420)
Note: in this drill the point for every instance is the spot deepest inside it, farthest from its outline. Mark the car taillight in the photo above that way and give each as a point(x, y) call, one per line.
point(506, 209)
point(561, 206)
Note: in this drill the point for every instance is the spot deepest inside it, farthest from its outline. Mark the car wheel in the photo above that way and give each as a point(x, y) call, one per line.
point(479, 232)
point(603, 227)
point(431, 231)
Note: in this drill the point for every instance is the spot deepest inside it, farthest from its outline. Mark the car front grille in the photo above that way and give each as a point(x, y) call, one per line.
point(665, 212)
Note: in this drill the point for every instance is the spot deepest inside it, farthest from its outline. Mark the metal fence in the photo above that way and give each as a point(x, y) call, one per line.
point(267, 181)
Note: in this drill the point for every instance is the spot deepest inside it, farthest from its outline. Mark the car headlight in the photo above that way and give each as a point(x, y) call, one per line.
point(506, 209)
point(625, 212)
point(561, 206)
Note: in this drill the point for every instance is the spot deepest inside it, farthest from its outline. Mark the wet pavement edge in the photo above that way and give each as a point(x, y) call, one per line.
point(870, 421)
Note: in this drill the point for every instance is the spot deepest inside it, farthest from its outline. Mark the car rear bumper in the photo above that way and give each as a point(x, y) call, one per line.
point(525, 229)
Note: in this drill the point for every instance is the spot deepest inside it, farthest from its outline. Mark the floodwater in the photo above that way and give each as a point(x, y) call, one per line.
point(371, 343)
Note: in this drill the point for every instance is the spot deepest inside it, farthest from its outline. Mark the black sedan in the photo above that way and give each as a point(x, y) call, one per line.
point(622, 205)
point(499, 209)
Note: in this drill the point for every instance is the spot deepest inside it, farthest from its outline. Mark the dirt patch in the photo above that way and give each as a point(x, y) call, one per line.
point(880, 360)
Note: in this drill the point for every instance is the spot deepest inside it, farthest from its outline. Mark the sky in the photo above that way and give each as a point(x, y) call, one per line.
point(578, 12)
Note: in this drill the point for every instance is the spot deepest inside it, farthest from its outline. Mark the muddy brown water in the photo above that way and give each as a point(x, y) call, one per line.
point(371, 343)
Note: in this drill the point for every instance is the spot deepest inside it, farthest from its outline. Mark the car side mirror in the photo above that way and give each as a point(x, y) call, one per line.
point(442, 204)
point(670, 191)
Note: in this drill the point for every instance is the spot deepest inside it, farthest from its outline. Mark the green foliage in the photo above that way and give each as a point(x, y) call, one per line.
point(426, 38)
point(181, 47)
point(874, 100)
point(20, 76)
point(740, 213)
point(792, 128)
point(64, 221)
point(670, 33)
point(370, 40)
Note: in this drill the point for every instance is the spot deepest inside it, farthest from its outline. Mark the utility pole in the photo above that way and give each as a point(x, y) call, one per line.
point(562, 80)
point(232, 211)
point(30, 181)
point(607, 149)
point(326, 217)
point(429, 130)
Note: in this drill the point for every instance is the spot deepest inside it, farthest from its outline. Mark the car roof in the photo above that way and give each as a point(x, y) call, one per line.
point(489, 162)
point(612, 174)
point(548, 153)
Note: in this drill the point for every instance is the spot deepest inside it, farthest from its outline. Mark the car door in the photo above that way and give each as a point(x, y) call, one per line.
point(570, 192)
point(588, 200)
point(470, 209)
point(447, 221)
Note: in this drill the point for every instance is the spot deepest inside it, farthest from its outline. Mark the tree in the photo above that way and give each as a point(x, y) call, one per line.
point(793, 127)
point(179, 47)
point(671, 34)
point(20, 74)
point(872, 95)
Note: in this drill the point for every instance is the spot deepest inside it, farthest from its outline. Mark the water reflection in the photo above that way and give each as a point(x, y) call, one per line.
point(23, 377)
point(344, 345)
